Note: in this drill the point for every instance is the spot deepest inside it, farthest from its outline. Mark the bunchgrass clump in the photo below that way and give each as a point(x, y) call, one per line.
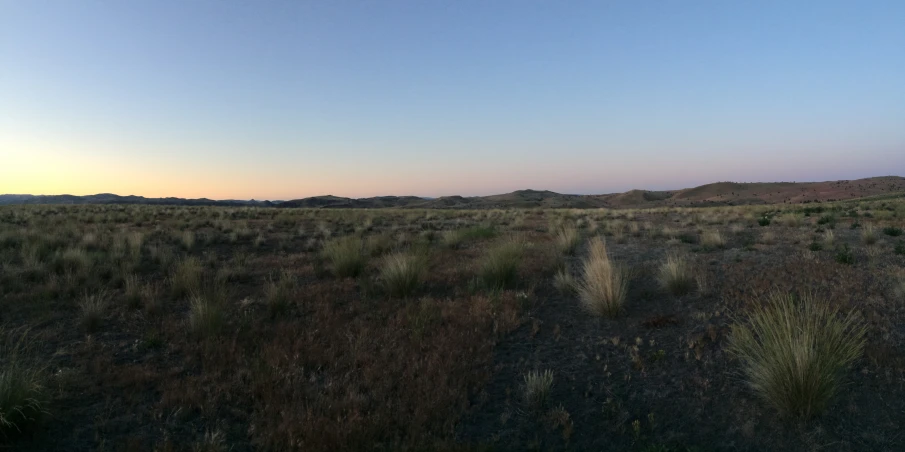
point(567, 239)
point(277, 293)
point(537, 388)
point(676, 275)
point(712, 239)
point(844, 255)
point(186, 276)
point(499, 267)
point(604, 285)
point(565, 282)
point(793, 351)
point(133, 290)
point(346, 254)
point(401, 273)
point(92, 309)
point(206, 317)
point(868, 234)
point(22, 394)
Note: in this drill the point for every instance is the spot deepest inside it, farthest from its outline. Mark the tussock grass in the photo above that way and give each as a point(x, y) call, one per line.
point(499, 267)
point(565, 282)
point(92, 309)
point(713, 239)
point(567, 239)
point(868, 234)
point(346, 255)
point(186, 276)
point(537, 388)
point(277, 293)
point(133, 290)
point(604, 285)
point(794, 351)
point(22, 394)
point(206, 316)
point(401, 273)
point(676, 275)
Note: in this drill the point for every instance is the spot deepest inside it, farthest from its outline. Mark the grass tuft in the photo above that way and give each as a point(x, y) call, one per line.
point(499, 268)
point(604, 285)
point(93, 309)
point(794, 351)
point(676, 275)
point(22, 394)
point(712, 239)
point(206, 317)
point(401, 274)
point(346, 255)
point(567, 239)
point(537, 388)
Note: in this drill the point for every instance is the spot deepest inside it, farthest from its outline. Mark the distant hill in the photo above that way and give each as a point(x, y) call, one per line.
point(715, 194)
point(108, 198)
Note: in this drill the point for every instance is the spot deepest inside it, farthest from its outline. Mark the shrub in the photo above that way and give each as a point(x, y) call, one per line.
point(604, 285)
point(499, 267)
point(401, 274)
point(763, 221)
point(892, 231)
point(868, 234)
point(186, 276)
point(346, 255)
point(21, 389)
point(815, 246)
point(567, 239)
point(92, 307)
point(793, 352)
point(828, 220)
point(537, 388)
point(845, 256)
point(900, 247)
point(206, 316)
point(676, 275)
point(713, 239)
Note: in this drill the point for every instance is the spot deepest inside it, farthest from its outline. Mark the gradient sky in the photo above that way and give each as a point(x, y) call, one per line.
point(281, 99)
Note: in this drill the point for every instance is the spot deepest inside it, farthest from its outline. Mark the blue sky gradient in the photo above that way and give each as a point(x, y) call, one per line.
point(281, 99)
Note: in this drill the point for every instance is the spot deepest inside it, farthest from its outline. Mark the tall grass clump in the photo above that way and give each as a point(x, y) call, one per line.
point(401, 273)
point(712, 239)
point(499, 267)
point(206, 315)
point(537, 388)
point(346, 254)
point(604, 285)
point(186, 276)
point(92, 310)
point(869, 234)
point(794, 351)
point(567, 239)
point(277, 293)
point(565, 282)
point(676, 275)
point(22, 394)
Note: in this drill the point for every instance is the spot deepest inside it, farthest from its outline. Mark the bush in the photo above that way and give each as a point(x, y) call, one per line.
point(499, 267)
point(892, 231)
point(845, 256)
point(604, 285)
point(900, 248)
point(763, 221)
point(676, 275)
point(401, 274)
point(346, 255)
point(793, 352)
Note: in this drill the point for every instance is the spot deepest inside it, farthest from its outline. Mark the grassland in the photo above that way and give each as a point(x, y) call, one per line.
point(126, 327)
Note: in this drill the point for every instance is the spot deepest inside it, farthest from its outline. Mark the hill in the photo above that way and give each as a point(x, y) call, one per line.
point(715, 194)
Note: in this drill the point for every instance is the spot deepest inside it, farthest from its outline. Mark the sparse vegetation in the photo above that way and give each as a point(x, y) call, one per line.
point(794, 350)
point(676, 275)
point(22, 392)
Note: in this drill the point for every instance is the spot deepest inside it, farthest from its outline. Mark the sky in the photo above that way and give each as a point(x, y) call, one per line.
point(279, 99)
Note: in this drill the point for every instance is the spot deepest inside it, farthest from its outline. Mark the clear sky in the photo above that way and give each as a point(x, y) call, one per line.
point(279, 99)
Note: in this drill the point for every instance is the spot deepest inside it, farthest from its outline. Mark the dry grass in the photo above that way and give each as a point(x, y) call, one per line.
point(713, 239)
point(567, 239)
point(186, 276)
point(93, 309)
point(604, 285)
point(401, 274)
point(499, 267)
point(22, 392)
point(795, 350)
point(346, 255)
point(206, 316)
point(537, 388)
point(676, 275)
point(869, 234)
